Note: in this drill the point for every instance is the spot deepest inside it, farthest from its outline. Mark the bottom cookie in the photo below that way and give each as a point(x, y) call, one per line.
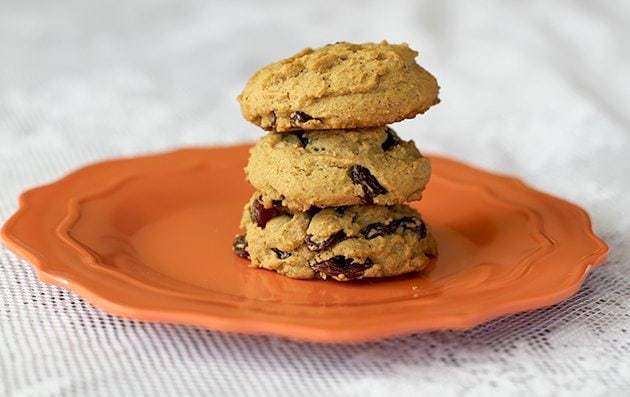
point(343, 243)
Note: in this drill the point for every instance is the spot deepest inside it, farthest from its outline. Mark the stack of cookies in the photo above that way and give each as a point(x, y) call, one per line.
point(331, 177)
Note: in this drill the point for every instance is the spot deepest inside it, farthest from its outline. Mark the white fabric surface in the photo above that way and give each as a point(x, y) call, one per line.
point(536, 89)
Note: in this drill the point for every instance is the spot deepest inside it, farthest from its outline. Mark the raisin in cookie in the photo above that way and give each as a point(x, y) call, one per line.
point(330, 168)
point(343, 243)
point(339, 86)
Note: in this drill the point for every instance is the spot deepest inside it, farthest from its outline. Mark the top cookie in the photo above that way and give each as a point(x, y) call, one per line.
point(339, 86)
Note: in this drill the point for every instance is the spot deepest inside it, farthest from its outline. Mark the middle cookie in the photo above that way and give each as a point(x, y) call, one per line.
point(336, 168)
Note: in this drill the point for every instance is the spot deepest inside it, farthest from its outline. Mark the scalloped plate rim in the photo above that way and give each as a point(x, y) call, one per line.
point(290, 330)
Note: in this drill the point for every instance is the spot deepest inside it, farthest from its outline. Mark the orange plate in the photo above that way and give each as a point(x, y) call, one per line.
point(150, 238)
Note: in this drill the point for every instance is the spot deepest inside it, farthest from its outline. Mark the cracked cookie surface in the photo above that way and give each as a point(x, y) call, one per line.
point(339, 86)
point(329, 168)
point(343, 243)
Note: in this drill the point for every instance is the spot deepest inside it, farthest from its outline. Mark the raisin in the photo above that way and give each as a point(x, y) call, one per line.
point(272, 122)
point(374, 230)
point(391, 140)
point(281, 254)
point(261, 215)
point(302, 138)
point(407, 223)
point(312, 211)
point(329, 242)
point(240, 246)
point(370, 185)
point(340, 265)
point(300, 117)
point(421, 230)
point(340, 210)
point(413, 224)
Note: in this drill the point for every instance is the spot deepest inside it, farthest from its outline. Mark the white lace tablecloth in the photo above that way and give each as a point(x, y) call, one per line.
point(536, 89)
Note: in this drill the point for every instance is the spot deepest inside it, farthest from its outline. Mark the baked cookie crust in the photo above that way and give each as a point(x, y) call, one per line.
point(331, 168)
point(344, 243)
point(339, 86)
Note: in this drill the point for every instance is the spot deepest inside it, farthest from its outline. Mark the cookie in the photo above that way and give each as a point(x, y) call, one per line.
point(339, 86)
point(343, 243)
point(329, 168)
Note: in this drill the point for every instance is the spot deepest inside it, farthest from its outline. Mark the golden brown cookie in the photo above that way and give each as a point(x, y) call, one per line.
point(343, 243)
point(339, 86)
point(331, 168)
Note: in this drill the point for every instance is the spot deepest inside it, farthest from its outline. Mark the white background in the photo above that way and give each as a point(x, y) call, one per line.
point(536, 89)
